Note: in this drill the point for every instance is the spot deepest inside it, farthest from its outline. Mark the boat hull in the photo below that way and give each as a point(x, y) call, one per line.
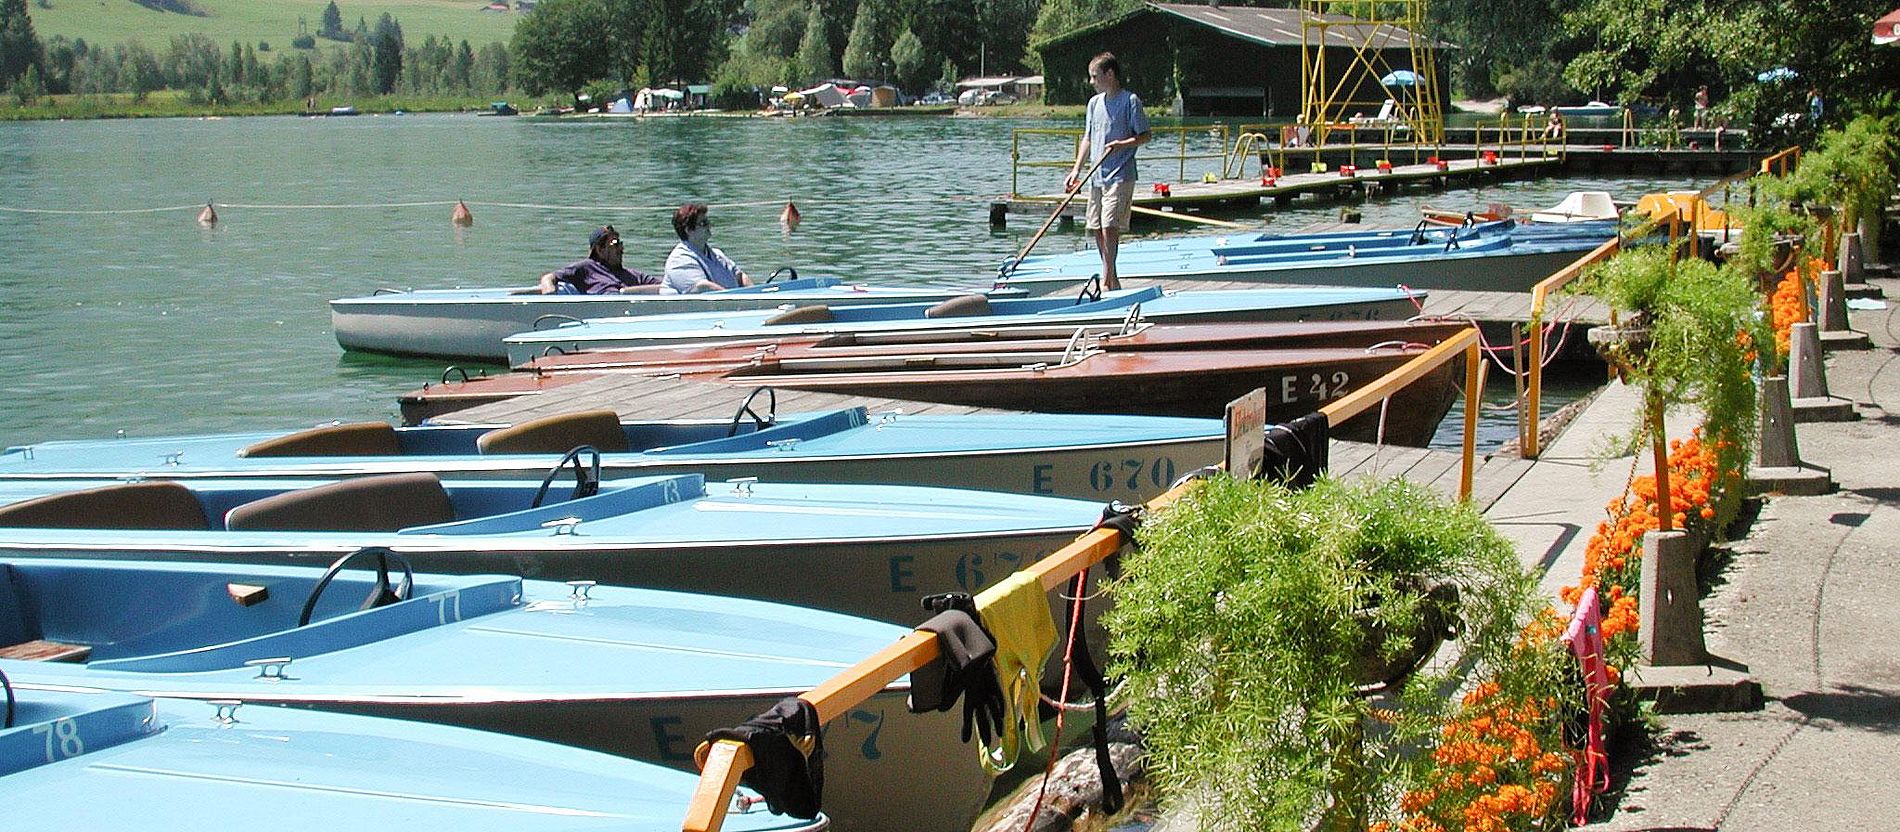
point(469, 325)
point(1195, 384)
point(880, 578)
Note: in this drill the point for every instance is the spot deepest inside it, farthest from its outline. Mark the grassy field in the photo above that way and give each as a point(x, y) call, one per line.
point(270, 21)
point(174, 104)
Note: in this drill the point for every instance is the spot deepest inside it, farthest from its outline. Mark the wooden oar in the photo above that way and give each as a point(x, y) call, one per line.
point(1010, 267)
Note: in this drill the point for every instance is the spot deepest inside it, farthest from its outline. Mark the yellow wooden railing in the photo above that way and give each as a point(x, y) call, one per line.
point(1282, 155)
point(723, 763)
point(1699, 218)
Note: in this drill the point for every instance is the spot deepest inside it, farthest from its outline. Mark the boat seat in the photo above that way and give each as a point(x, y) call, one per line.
point(353, 439)
point(41, 650)
point(961, 306)
point(136, 505)
point(558, 434)
point(383, 503)
point(819, 314)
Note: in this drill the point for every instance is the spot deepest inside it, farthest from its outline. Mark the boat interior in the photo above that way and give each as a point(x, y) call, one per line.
point(170, 618)
point(600, 429)
point(963, 306)
point(407, 503)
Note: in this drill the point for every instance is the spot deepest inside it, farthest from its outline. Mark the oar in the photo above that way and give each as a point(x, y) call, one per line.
point(1009, 267)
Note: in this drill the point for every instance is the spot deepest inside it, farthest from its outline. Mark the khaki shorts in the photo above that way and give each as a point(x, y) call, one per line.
point(1109, 207)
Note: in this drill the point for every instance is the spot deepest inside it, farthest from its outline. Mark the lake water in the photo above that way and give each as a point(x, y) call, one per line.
point(114, 316)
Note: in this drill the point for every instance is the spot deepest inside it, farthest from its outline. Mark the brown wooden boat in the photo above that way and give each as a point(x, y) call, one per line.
point(1105, 337)
point(1139, 382)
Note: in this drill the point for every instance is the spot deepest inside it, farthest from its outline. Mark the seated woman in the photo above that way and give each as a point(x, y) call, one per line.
point(694, 265)
point(601, 273)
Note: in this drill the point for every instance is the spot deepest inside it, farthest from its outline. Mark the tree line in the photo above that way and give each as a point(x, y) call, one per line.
point(372, 60)
point(1531, 51)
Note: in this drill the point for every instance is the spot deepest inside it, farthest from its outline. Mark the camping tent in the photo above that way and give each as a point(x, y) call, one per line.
point(826, 95)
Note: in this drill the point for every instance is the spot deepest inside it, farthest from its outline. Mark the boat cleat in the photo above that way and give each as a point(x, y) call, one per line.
point(272, 669)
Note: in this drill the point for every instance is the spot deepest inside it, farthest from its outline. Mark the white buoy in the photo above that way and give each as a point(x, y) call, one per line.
point(461, 216)
point(208, 217)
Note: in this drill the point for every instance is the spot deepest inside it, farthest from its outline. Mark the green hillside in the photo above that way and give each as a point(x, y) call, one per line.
point(270, 21)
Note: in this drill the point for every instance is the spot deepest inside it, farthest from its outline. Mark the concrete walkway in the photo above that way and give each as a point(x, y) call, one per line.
point(1807, 602)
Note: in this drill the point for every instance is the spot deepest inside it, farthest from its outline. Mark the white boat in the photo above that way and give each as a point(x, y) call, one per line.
point(469, 324)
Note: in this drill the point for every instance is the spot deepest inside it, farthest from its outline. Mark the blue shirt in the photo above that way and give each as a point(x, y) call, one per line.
point(1113, 117)
point(686, 267)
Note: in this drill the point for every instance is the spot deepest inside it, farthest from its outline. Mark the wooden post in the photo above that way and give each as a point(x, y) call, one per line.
point(1665, 510)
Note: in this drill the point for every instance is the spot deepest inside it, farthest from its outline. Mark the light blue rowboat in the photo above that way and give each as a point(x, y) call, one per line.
point(871, 550)
point(470, 323)
point(1498, 256)
point(1055, 454)
point(637, 673)
point(968, 312)
point(85, 760)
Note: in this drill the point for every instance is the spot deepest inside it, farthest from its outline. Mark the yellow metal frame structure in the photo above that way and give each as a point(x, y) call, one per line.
point(1371, 26)
point(722, 763)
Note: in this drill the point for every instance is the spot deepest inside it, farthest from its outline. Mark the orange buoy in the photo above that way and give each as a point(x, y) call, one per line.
point(789, 217)
point(208, 217)
point(461, 216)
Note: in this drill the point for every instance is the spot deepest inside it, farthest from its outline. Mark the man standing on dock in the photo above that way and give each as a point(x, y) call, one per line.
point(1115, 127)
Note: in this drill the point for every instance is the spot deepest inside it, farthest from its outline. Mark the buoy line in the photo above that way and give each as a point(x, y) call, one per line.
point(536, 206)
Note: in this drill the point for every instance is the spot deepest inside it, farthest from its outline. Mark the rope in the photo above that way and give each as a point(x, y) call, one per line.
point(436, 203)
point(101, 211)
point(1068, 675)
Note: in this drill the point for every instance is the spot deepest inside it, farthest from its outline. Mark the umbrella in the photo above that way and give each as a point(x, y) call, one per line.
point(1780, 73)
point(1887, 28)
point(1399, 78)
point(670, 94)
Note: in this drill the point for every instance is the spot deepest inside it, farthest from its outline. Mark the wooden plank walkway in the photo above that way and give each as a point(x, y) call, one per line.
point(1436, 469)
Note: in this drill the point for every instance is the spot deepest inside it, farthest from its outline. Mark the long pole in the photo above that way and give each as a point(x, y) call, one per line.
point(1066, 199)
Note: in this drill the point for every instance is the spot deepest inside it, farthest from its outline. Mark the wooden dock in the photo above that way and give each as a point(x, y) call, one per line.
point(1249, 194)
point(1240, 194)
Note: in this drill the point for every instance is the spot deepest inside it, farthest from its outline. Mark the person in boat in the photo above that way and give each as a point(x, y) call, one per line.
point(694, 265)
point(1115, 127)
point(601, 273)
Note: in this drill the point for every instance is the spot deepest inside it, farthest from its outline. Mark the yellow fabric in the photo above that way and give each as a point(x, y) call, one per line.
point(1016, 612)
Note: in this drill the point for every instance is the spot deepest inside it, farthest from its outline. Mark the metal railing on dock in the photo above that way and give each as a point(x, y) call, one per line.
point(1698, 218)
point(1186, 149)
point(722, 763)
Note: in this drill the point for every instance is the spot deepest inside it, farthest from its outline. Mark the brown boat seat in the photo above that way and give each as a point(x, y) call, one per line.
point(558, 434)
point(352, 439)
point(134, 505)
point(819, 314)
point(382, 503)
point(41, 650)
point(961, 306)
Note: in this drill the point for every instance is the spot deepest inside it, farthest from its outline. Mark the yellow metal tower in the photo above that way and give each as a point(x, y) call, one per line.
point(1358, 55)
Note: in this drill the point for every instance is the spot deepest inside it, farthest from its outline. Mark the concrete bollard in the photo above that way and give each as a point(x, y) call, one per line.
point(1831, 312)
point(1776, 446)
point(1853, 257)
point(1807, 380)
point(1778, 466)
point(1807, 374)
point(1669, 616)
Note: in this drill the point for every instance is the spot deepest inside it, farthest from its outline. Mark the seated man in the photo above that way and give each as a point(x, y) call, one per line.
point(694, 265)
point(601, 273)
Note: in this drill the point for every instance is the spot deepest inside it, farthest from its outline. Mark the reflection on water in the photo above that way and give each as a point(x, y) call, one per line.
point(148, 323)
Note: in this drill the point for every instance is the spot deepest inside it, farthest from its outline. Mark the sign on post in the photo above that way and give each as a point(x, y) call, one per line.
point(1246, 434)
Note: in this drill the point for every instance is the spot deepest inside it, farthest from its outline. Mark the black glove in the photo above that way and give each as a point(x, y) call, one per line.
point(791, 783)
point(965, 668)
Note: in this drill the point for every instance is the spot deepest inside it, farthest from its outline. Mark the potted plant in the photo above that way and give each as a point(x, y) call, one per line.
point(1254, 621)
